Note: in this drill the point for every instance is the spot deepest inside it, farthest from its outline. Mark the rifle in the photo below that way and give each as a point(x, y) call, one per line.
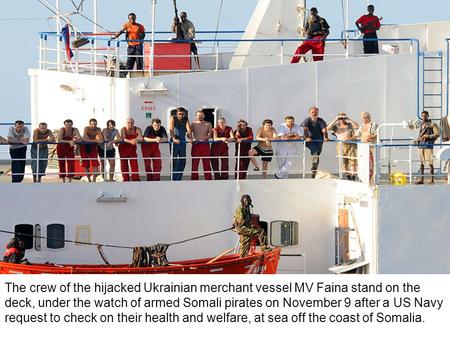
point(178, 30)
point(370, 25)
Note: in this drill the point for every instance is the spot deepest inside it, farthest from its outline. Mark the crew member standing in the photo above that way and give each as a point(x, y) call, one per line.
point(187, 33)
point(368, 25)
point(428, 134)
point(134, 31)
point(317, 30)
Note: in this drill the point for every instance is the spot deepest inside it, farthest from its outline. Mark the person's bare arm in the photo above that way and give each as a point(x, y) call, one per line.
point(189, 131)
point(139, 137)
point(35, 135)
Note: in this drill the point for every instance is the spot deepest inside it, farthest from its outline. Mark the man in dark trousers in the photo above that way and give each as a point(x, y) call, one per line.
point(315, 131)
point(134, 31)
point(368, 25)
point(242, 223)
point(317, 30)
point(18, 137)
point(428, 134)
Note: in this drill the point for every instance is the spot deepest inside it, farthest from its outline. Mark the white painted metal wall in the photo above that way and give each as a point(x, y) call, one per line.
point(414, 229)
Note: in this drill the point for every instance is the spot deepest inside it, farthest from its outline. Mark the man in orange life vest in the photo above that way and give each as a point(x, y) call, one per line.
point(135, 31)
point(368, 25)
point(317, 30)
point(15, 251)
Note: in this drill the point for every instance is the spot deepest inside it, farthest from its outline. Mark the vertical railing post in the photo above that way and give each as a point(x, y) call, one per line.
point(117, 72)
point(58, 54)
point(171, 161)
point(282, 53)
point(92, 56)
point(340, 159)
point(376, 165)
point(105, 172)
point(410, 164)
point(217, 56)
point(40, 51)
point(37, 162)
point(238, 164)
point(44, 52)
point(304, 159)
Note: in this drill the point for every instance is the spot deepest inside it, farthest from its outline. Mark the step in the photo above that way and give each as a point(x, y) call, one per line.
point(432, 70)
point(430, 82)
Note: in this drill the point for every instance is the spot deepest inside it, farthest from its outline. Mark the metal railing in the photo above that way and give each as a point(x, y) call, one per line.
point(239, 166)
point(90, 59)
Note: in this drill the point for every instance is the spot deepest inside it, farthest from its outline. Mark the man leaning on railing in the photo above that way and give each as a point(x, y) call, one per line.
point(39, 151)
point(18, 137)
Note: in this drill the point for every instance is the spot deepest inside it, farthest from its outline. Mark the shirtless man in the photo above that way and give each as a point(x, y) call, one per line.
point(67, 137)
point(201, 132)
point(265, 135)
point(92, 136)
point(39, 151)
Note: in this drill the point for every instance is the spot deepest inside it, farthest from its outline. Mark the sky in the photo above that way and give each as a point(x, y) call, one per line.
point(20, 22)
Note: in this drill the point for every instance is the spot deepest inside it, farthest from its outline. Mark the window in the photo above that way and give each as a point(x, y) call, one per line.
point(55, 236)
point(25, 233)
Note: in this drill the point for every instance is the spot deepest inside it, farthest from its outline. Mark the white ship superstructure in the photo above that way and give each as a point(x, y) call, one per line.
point(334, 225)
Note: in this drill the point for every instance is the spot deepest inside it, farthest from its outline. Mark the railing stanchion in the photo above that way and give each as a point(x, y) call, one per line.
point(171, 161)
point(37, 163)
point(238, 164)
point(92, 56)
point(376, 166)
point(117, 72)
point(410, 163)
point(304, 159)
point(217, 55)
point(40, 52)
point(282, 53)
point(105, 173)
point(340, 159)
point(44, 52)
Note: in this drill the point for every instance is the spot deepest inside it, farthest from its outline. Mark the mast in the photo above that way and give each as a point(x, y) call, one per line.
point(152, 51)
point(58, 41)
point(95, 35)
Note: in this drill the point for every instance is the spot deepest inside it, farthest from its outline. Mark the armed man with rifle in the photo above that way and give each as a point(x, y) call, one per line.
point(185, 30)
point(428, 134)
point(368, 25)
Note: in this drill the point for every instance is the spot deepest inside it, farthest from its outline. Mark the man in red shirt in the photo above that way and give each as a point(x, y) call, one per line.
point(134, 31)
point(368, 25)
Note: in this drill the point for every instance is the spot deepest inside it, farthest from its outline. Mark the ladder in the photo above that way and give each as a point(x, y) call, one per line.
point(432, 78)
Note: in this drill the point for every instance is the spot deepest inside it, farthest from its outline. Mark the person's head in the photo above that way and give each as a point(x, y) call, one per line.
point(200, 115)
point(183, 16)
point(111, 124)
point(425, 116)
point(43, 127)
point(246, 200)
point(68, 123)
point(130, 123)
point(156, 124)
point(242, 125)
point(93, 123)
point(342, 117)
point(314, 12)
point(371, 9)
point(365, 117)
point(181, 113)
point(19, 125)
point(132, 18)
point(314, 113)
point(267, 124)
point(221, 122)
point(290, 121)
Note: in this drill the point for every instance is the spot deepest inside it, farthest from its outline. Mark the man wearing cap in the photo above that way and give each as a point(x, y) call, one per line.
point(243, 225)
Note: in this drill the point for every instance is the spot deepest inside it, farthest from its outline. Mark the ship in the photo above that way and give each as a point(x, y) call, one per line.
point(325, 224)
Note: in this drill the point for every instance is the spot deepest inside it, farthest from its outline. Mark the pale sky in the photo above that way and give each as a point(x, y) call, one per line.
point(20, 21)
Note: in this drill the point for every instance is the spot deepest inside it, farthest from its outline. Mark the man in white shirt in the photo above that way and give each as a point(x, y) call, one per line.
point(18, 138)
point(288, 131)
